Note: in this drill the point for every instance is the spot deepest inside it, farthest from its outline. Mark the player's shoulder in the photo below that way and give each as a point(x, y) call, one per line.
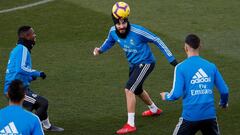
point(142, 31)
point(19, 47)
point(137, 26)
point(11, 110)
point(3, 110)
point(204, 63)
point(208, 63)
point(7, 109)
point(181, 65)
point(185, 65)
point(112, 29)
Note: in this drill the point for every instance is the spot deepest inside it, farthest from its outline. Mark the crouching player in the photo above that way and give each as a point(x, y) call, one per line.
point(20, 67)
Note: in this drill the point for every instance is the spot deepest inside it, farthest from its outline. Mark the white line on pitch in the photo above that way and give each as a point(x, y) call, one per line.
point(25, 6)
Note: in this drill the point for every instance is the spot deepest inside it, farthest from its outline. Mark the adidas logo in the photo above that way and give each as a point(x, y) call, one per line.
point(10, 129)
point(200, 77)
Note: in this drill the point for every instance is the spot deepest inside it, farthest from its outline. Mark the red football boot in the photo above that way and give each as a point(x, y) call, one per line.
point(126, 129)
point(150, 113)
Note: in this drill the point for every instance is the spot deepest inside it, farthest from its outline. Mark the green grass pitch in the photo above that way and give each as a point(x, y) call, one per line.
point(86, 93)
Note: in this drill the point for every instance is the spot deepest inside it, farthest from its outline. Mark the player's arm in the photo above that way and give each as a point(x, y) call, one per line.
point(23, 69)
point(177, 88)
point(150, 37)
point(109, 42)
point(37, 129)
point(222, 88)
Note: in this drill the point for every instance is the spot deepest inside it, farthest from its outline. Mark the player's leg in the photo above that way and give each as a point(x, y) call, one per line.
point(131, 103)
point(38, 103)
point(136, 74)
point(137, 78)
point(131, 91)
point(210, 127)
point(41, 108)
point(144, 96)
point(35, 102)
point(29, 101)
point(153, 109)
point(185, 127)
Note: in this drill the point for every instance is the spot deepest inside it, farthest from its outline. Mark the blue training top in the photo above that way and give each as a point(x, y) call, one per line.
point(19, 67)
point(194, 81)
point(14, 120)
point(136, 45)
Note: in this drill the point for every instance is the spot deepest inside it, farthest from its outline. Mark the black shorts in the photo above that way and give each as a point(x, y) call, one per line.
point(137, 76)
point(32, 100)
point(207, 127)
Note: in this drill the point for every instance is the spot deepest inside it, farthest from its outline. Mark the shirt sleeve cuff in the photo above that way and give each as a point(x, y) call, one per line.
point(166, 96)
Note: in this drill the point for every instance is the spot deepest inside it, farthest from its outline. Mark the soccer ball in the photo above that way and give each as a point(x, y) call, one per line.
point(120, 10)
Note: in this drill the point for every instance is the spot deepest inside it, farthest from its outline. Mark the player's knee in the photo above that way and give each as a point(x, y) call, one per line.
point(127, 91)
point(44, 103)
point(137, 91)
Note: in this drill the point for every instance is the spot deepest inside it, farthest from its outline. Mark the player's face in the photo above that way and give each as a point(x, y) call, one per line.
point(30, 35)
point(121, 26)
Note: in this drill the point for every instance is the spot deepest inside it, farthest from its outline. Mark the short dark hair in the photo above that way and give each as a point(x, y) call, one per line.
point(16, 91)
point(115, 20)
point(193, 41)
point(23, 29)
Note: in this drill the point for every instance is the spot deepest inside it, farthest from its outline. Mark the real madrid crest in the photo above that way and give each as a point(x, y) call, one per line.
point(131, 41)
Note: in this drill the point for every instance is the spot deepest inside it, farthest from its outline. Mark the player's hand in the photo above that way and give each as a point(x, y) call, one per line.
point(162, 94)
point(43, 75)
point(96, 51)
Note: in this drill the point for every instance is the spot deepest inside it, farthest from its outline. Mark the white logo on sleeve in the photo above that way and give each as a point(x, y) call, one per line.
point(10, 129)
point(200, 77)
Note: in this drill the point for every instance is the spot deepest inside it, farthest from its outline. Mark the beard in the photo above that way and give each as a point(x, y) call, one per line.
point(123, 35)
point(27, 43)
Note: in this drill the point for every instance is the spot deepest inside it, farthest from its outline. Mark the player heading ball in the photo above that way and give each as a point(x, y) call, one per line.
point(134, 39)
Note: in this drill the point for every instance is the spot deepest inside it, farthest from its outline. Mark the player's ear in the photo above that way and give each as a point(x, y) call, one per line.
point(185, 47)
point(21, 35)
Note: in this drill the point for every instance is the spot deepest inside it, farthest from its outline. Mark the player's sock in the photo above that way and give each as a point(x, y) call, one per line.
point(46, 123)
point(153, 108)
point(131, 119)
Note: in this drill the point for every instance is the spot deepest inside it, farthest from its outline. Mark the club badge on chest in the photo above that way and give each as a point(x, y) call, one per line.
point(132, 42)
